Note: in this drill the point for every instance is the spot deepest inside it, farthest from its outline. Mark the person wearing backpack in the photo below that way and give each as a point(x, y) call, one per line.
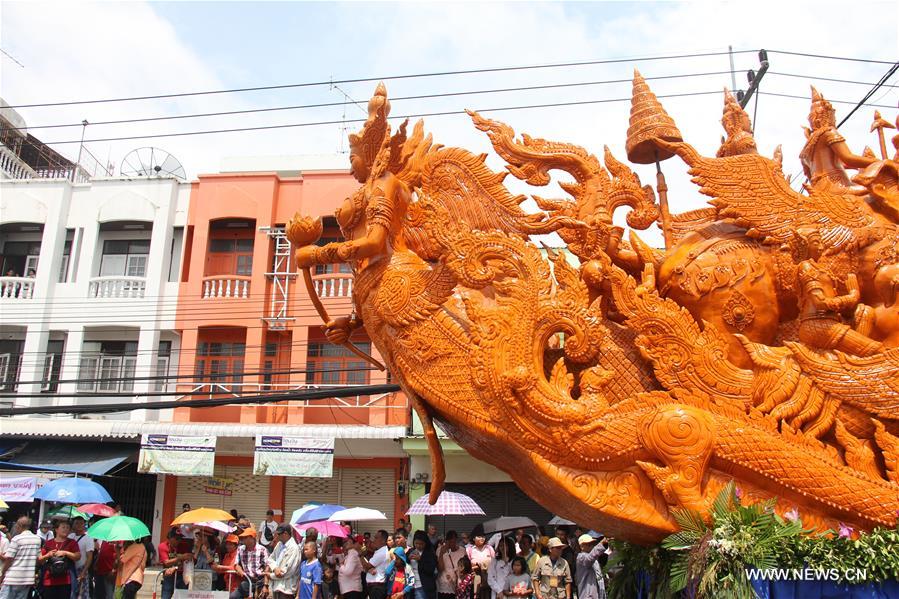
point(267, 531)
point(58, 557)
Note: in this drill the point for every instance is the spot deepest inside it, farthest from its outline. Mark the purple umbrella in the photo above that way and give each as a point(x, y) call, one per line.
point(448, 504)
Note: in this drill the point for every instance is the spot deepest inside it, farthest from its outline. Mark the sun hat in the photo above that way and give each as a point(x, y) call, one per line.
point(555, 542)
point(586, 539)
point(232, 539)
point(248, 532)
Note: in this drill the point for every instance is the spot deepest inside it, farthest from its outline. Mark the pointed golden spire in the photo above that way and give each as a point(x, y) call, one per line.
point(649, 121)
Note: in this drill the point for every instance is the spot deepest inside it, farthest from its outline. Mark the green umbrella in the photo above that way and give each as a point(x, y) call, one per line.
point(68, 511)
point(118, 528)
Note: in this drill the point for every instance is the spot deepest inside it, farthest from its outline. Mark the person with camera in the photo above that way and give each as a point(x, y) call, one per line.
point(58, 557)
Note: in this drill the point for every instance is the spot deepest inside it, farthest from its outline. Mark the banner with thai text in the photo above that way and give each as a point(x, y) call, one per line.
point(293, 456)
point(219, 485)
point(174, 454)
point(17, 488)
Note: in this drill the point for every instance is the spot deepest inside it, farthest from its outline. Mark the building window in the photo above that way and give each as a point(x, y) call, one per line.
point(52, 367)
point(124, 258)
point(230, 257)
point(20, 258)
point(10, 362)
point(64, 263)
point(163, 356)
point(220, 362)
point(329, 364)
point(107, 366)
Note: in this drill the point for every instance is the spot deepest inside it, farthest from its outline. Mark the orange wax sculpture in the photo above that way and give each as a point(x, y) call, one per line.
point(761, 345)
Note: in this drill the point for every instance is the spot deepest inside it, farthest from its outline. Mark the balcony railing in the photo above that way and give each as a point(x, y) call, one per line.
point(117, 287)
point(226, 286)
point(12, 167)
point(333, 285)
point(16, 287)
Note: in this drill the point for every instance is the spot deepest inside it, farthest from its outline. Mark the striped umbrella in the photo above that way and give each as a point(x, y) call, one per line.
point(448, 504)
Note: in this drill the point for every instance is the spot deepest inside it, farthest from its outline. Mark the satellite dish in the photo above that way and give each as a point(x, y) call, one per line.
point(151, 162)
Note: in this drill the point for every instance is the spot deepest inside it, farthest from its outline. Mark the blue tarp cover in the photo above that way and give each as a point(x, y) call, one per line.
point(70, 456)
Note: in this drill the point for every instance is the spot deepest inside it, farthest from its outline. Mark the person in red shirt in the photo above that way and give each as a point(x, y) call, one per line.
point(226, 567)
point(58, 557)
point(104, 570)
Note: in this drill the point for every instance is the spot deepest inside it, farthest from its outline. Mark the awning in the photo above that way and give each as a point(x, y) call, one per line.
point(129, 429)
point(70, 456)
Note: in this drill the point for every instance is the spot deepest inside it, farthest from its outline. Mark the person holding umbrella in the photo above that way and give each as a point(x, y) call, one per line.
point(130, 564)
point(448, 557)
point(58, 556)
point(83, 564)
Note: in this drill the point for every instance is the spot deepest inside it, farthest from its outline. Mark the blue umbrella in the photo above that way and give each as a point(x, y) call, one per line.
point(317, 514)
point(298, 513)
point(73, 490)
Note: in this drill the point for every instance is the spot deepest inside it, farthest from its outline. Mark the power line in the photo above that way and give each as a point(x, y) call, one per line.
point(778, 73)
point(392, 100)
point(389, 78)
point(871, 92)
point(206, 403)
point(806, 98)
point(830, 57)
point(360, 120)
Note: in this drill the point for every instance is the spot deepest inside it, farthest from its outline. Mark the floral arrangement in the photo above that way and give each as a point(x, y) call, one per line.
point(712, 554)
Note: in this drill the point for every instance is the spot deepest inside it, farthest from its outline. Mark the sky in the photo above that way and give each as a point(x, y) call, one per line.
point(73, 50)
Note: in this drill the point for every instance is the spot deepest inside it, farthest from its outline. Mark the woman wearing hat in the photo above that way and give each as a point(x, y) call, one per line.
point(400, 578)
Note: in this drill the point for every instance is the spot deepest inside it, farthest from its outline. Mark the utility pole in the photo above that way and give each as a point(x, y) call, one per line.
point(84, 125)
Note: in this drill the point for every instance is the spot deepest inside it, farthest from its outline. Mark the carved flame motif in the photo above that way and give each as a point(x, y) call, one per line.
point(614, 381)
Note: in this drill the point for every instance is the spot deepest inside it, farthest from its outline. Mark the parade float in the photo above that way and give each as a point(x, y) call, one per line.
point(758, 349)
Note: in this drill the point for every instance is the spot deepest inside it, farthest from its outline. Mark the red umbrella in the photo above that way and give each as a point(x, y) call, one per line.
point(97, 509)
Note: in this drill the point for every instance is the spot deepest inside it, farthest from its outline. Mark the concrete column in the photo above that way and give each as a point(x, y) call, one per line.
point(71, 362)
point(160, 244)
point(147, 348)
point(88, 258)
point(32, 370)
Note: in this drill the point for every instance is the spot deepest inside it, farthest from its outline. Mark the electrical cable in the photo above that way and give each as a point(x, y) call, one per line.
point(870, 93)
point(206, 403)
point(829, 57)
point(362, 120)
point(388, 78)
point(392, 100)
point(806, 98)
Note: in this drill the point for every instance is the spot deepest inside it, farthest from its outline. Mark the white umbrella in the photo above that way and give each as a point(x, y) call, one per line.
point(357, 514)
point(216, 525)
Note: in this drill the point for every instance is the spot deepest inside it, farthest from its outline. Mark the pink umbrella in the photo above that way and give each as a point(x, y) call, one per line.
point(331, 529)
point(216, 525)
point(97, 509)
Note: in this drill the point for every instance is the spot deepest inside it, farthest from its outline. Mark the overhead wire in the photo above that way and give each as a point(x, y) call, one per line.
point(362, 120)
point(324, 394)
point(890, 72)
point(392, 100)
point(332, 82)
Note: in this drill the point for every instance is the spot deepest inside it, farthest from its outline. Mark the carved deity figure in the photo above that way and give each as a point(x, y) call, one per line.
point(821, 324)
point(736, 124)
point(367, 217)
point(825, 153)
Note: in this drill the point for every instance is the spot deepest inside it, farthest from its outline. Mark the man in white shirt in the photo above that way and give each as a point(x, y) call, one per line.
point(83, 565)
point(284, 564)
point(20, 561)
point(45, 533)
point(266, 530)
point(375, 566)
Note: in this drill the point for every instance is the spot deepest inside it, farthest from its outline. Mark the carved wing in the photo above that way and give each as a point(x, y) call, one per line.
point(472, 195)
point(871, 383)
point(752, 190)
